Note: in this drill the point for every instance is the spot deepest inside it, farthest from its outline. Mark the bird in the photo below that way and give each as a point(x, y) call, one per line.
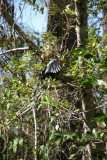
point(51, 69)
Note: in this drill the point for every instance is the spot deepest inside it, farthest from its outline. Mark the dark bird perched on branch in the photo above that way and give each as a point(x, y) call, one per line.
point(52, 69)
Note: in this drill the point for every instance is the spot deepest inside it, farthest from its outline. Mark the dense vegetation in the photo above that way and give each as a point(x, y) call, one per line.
point(59, 122)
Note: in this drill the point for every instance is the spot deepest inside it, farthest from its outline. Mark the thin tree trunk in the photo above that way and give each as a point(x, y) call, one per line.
point(35, 124)
point(105, 21)
point(81, 25)
point(87, 96)
point(105, 44)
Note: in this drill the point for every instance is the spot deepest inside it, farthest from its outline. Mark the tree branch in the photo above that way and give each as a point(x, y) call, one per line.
point(14, 49)
point(11, 22)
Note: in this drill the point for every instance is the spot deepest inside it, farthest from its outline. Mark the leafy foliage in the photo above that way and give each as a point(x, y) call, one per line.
point(59, 116)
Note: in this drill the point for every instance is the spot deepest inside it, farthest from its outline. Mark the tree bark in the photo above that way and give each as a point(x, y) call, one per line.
point(81, 26)
point(105, 21)
point(87, 96)
point(62, 25)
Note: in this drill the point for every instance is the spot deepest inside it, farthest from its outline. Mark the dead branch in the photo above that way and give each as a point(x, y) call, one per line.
point(14, 49)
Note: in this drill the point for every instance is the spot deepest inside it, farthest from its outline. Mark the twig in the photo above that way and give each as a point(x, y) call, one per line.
point(73, 85)
point(19, 14)
point(94, 108)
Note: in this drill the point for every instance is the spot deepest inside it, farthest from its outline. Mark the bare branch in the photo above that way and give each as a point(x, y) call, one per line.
point(19, 14)
point(14, 49)
point(35, 124)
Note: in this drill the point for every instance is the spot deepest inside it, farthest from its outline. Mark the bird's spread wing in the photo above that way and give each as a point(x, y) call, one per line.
point(53, 66)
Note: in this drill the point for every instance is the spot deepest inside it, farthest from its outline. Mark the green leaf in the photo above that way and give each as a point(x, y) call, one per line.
point(105, 35)
point(20, 142)
point(88, 56)
point(58, 133)
point(58, 140)
point(15, 143)
point(93, 44)
point(100, 118)
point(72, 156)
point(42, 10)
point(51, 118)
point(87, 82)
point(69, 135)
point(81, 148)
point(86, 138)
point(88, 85)
point(95, 133)
point(104, 68)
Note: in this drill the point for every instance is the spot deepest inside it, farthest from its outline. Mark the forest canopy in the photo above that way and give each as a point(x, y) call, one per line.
point(53, 79)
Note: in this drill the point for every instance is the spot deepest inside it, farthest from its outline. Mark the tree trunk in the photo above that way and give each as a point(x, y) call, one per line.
point(62, 25)
point(105, 44)
point(105, 21)
point(87, 96)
